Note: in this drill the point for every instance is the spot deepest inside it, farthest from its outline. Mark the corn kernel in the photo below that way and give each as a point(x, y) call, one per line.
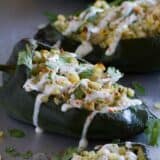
point(73, 77)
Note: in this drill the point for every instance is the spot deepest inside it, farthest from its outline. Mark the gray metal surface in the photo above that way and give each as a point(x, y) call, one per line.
point(19, 19)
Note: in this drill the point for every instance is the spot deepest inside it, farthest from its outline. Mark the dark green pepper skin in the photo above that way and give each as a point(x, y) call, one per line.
point(134, 55)
point(20, 105)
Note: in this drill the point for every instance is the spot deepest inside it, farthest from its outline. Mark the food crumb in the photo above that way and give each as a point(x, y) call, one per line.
point(1, 135)
point(157, 105)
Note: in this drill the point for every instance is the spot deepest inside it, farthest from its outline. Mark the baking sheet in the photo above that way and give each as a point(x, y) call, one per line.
point(19, 19)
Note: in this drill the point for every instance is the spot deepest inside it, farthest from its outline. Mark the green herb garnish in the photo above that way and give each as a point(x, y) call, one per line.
point(51, 16)
point(25, 57)
point(16, 133)
point(66, 59)
point(27, 155)
point(86, 74)
point(12, 152)
point(138, 88)
point(153, 132)
point(66, 155)
point(50, 76)
point(79, 94)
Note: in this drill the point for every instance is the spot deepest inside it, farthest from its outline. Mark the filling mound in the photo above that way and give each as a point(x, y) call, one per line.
point(112, 152)
point(75, 84)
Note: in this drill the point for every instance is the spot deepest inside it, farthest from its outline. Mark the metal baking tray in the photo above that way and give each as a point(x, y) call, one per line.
point(19, 19)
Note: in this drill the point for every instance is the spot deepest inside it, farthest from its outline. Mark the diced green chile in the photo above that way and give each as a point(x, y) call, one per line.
point(20, 105)
point(133, 55)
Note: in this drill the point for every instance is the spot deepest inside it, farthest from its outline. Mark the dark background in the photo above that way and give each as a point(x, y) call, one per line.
point(19, 19)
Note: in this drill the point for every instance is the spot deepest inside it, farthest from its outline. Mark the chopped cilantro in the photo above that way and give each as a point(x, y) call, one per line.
point(66, 59)
point(25, 57)
point(86, 73)
point(12, 152)
point(16, 133)
point(51, 16)
point(153, 132)
point(79, 94)
point(27, 155)
point(66, 155)
point(138, 88)
point(50, 76)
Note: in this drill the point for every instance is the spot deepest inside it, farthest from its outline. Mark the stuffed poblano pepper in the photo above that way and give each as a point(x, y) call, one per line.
point(56, 92)
point(122, 151)
point(125, 36)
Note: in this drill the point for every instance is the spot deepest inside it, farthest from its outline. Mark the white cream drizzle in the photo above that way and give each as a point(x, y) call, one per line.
point(30, 86)
point(36, 111)
point(84, 49)
point(118, 33)
point(57, 44)
point(127, 115)
point(92, 12)
point(83, 143)
point(72, 27)
point(125, 101)
point(48, 90)
point(111, 14)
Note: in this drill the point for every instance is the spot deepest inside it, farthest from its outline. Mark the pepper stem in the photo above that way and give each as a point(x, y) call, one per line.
point(7, 68)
